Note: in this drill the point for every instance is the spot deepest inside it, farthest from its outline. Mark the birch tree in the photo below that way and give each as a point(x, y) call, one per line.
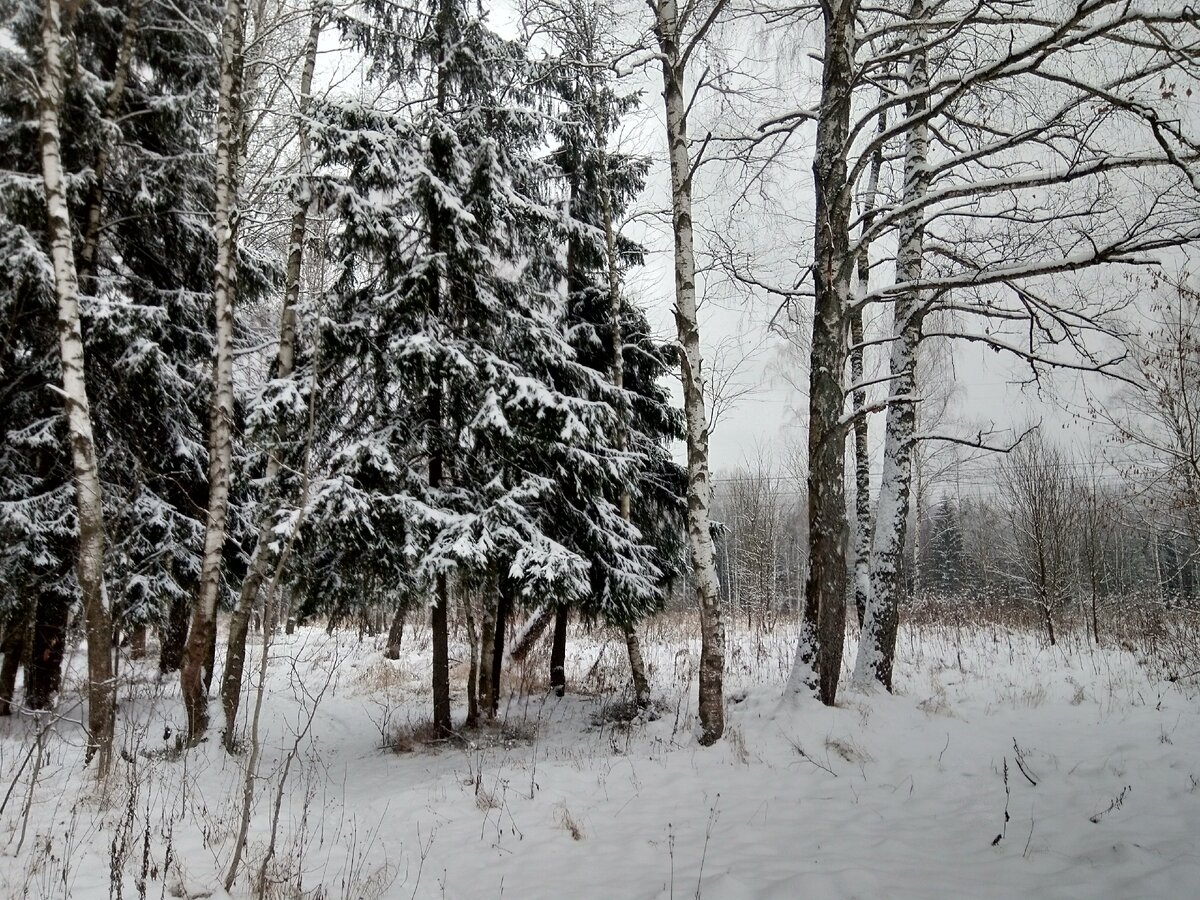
point(1020, 208)
point(1001, 198)
point(819, 650)
point(89, 562)
point(279, 402)
point(679, 30)
point(196, 672)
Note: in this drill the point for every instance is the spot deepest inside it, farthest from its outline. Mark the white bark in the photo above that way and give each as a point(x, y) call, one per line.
point(668, 23)
point(861, 546)
point(285, 363)
point(877, 645)
point(220, 462)
point(89, 506)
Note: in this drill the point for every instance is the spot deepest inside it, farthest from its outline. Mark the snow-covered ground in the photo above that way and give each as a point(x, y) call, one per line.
point(1001, 768)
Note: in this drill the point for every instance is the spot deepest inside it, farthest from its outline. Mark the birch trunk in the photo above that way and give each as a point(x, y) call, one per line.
point(285, 363)
point(202, 635)
point(877, 647)
point(89, 508)
point(823, 629)
point(531, 632)
point(637, 665)
point(667, 30)
point(862, 454)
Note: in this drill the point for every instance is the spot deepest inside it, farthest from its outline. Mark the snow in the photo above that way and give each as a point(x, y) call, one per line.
point(893, 796)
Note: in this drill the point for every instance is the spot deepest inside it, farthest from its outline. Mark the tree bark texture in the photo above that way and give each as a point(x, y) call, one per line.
point(821, 641)
point(395, 632)
point(699, 487)
point(877, 647)
point(13, 648)
point(47, 647)
point(862, 451)
point(558, 650)
point(285, 362)
point(172, 636)
point(89, 508)
point(439, 623)
point(487, 645)
point(503, 610)
point(196, 671)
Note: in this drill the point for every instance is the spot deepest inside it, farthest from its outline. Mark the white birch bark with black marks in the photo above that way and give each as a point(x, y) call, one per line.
point(861, 547)
point(285, 363)
point(674, 58)
point(193, 677)
point(877, 646)
point(89, 507)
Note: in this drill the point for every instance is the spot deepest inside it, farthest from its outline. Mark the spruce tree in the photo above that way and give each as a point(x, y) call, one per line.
point(462, 417)
point(610, 335)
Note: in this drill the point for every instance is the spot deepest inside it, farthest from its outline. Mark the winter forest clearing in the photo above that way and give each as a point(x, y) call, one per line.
point(599, 448)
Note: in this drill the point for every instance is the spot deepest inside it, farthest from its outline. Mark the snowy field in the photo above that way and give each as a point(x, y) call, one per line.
point(1001, 768)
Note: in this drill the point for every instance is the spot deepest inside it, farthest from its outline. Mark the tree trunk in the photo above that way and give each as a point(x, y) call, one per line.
point(487, 645)
point(436, 438)
point(197, 665)
point(503, 608)
point(877, 647)
point(137, 642)
point(439, 623)
point(861, 433)
point(172, 636)
point(823, 630)
point(862, 471)
point(699, 488)
point(475, 648)
point(558, 650)
point(637, 666)
point(395, 633)
point(534, 627)
point(48, 645)
point(13, 648)
point(89, 560)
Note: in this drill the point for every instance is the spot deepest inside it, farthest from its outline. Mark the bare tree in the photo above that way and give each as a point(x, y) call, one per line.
point(679, 30)
point(1037, 484)
point(993, 212)
point(285, 360)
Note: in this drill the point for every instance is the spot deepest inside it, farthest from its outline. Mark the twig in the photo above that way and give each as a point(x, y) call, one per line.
point(1020, 756)
point(1007, 797)
point(713, 813)
point(810, 759)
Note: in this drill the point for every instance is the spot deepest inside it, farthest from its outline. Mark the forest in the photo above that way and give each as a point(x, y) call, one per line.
point(385, 507)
